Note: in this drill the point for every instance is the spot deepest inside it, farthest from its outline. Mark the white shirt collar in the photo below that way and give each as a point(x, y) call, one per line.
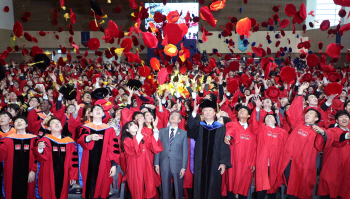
point(175, 130)
point(347, 129)
point(47, 114)
point(244, 125)
point(98, 123)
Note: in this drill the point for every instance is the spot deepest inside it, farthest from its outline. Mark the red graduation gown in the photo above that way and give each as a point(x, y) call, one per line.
point(302, 148)
point(335, 173)
point(55, 149)
point(157, 180)
point(104, 150)
point(15, 151)
point(243, 155)
point(270, 144)
point(139, 167)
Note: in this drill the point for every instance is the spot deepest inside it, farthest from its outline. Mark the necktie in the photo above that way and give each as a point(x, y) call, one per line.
point(171, 139)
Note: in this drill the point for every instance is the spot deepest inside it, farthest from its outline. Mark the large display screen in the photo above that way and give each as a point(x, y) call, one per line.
point(182, 8)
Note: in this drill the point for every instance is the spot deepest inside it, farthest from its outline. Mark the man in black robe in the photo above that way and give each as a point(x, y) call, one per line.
point(211, 155)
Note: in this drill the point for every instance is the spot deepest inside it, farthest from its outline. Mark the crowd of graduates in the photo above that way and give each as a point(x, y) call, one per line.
point(72, 125)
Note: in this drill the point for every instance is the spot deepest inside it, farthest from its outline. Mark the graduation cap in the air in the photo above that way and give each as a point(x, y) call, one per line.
point(99, 93)
point(41, 61)
point(68, 91)
point(134, 84)
point(96, 8)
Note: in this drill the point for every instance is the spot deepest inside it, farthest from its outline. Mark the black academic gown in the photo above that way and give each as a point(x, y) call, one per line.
point(210, 151)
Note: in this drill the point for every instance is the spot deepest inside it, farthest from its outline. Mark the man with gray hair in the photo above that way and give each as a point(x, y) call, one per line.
point(172, 161)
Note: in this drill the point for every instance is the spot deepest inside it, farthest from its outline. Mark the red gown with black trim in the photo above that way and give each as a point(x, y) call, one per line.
point(15, 151)
point(335, 173)
point(58, 165)
point(243, 154)
point(302, 148)
point(97, 158)
point(139, 167)
point(270, 144)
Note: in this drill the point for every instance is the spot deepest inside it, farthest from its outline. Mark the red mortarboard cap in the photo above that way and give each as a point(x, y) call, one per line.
point(217, 5)
point(243, 27)
point(158, 17)
point(64, 50)
point(320, 45)
point(268, 51)
point(173, 32)
point(155, 63)
point(4, 54)
point(302, 11)
point(312, 60)
point(207, 16)
point(325, 25)
point(170, 50)
point(118, 9)
point(126, 44)
point(333, 50)
point(93, 44)
point(24, 51)
point(284, 23)
point(290, 10)
point(334, 77)
point(184, 28)
point(234, 66)
point(135, 41)
point(36, 50)
point(342, 13)
point(113, 29)
point(42, 33)
point(288, 74)
point(69, 57)
point(250, 61)
point(307, 77)
point(162, 76)
point(27, 36)
point(328, 69)
point(150, 39)
point(333, 88)
point(173, 16)
point(273, 93)
point(6, 9)
point(246, 80)
point(347, 56)
point(228, 57)
point(232, 85)
point(259, 51)
point(345, 3)
point(70, 29)
point(73, 17)
point(133, 4)
point(18, 29)
point(16, 48)
point(93, 25)
point(144, 71)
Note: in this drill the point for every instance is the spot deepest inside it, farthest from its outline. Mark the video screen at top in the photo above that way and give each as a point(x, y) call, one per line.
point(181, 8)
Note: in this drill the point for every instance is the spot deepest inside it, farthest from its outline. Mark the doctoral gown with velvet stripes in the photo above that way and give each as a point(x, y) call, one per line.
point(15, 151)
point(209, 153)
point(97, 159)
point(58, 165)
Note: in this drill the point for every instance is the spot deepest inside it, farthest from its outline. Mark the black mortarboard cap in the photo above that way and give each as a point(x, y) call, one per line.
point(68, 91)
point(99, 93)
